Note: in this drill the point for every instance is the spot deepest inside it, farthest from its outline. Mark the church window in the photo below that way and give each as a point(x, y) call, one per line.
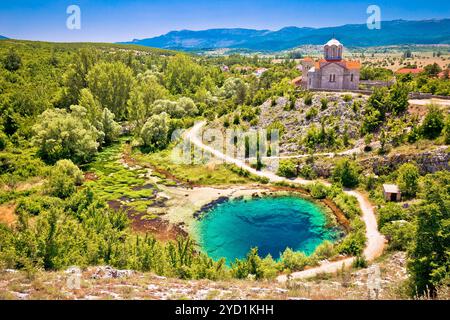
point(351, 77)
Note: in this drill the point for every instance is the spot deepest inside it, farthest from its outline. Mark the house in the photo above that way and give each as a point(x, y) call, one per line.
point(297, 82)
point(332, 72)
point(409, 71)
point(444, 74)
point(259, 72)
point(391, 192)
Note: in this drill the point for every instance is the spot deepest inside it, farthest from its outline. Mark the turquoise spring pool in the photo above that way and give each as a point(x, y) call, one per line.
point(272, 224)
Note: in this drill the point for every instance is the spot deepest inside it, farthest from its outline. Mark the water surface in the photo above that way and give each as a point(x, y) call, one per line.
point(272, 224)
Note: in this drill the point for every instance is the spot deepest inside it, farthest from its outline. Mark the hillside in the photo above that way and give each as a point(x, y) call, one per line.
point(395, 32)
point(99, 283)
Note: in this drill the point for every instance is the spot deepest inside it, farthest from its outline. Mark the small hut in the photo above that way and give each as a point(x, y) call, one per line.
point(391, 192)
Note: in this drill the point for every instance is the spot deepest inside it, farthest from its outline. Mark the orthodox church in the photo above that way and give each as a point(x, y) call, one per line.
point(332, 72)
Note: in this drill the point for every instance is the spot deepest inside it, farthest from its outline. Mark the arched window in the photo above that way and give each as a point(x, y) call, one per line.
point(351, 77)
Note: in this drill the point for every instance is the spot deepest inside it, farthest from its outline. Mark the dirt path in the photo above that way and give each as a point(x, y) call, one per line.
point(375, 241)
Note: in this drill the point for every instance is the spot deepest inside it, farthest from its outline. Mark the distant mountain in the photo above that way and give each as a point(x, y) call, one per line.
point(397, 32)
point(2, 37)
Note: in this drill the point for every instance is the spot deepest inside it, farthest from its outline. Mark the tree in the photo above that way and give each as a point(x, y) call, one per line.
point(186, 107)
point(183, 75)
point(110, 128)
point(429, 259)
point(390, 212)
point(75, 78)
point(111, 83)
point(379, 101)
point(12, 61)
point(59, 135)
point(432, 70)
point(144, 93)
point(235, 88)
point(346, 172)
point(92, 106)
point(63, 179)
point(155, 130)
point(433, 124)
point(372, 120)
point(408, 179)
point(398, 99)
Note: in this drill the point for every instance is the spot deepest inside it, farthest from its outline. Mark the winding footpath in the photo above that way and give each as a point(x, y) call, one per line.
point(375, 241)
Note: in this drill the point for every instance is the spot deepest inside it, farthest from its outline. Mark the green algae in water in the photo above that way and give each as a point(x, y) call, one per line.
point(272, 224)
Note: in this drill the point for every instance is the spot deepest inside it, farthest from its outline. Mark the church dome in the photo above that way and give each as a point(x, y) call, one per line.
point(333, 50)
point(333, 42)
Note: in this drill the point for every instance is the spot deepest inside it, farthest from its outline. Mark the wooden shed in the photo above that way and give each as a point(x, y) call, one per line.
point(391, 192)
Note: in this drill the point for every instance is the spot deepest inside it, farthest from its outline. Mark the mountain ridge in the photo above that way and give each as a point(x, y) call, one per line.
point(394, 32)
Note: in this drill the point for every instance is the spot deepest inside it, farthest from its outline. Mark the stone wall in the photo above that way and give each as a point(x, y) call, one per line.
point(427, 161)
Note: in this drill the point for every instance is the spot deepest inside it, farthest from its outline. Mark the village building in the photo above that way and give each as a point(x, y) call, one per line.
point(260, 71)
point(409, 71)
point(332, 72)
point(391, 192)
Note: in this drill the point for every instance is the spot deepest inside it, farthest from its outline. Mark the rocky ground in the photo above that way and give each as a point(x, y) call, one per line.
point(108, 283)
point(338, 114)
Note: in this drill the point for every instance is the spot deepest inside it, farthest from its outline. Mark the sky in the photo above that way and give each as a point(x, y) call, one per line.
point(120, 20)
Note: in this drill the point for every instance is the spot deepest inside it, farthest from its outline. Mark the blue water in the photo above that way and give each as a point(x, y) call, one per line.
point(272, 224)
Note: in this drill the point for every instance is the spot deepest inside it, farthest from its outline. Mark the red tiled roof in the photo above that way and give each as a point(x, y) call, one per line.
point(345, 63)
point(353, 64)
point(308, 59)
point(409, 70)
point(296, 81)
point(442, 74)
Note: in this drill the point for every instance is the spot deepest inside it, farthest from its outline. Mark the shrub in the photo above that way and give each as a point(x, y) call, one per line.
point(433, 124)
point(318, 191)
point(360, 262)
point(155, 130)
point(293, 261)
point(323, 103)
point(408, 179)
point(276, 125)
point(353, 244)
point(347, 97)
point(307, 172)
point(62, 135)
point(346, 172)
point(400, 234)
point(35, 204)
point(287, 168)
point(12, 61)
point(308, 99)
point(390, 212)
point(311, 113)
point(324, 251)
point(63, 179)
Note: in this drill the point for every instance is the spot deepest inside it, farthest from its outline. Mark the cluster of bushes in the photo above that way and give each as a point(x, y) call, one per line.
point(420, 228)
